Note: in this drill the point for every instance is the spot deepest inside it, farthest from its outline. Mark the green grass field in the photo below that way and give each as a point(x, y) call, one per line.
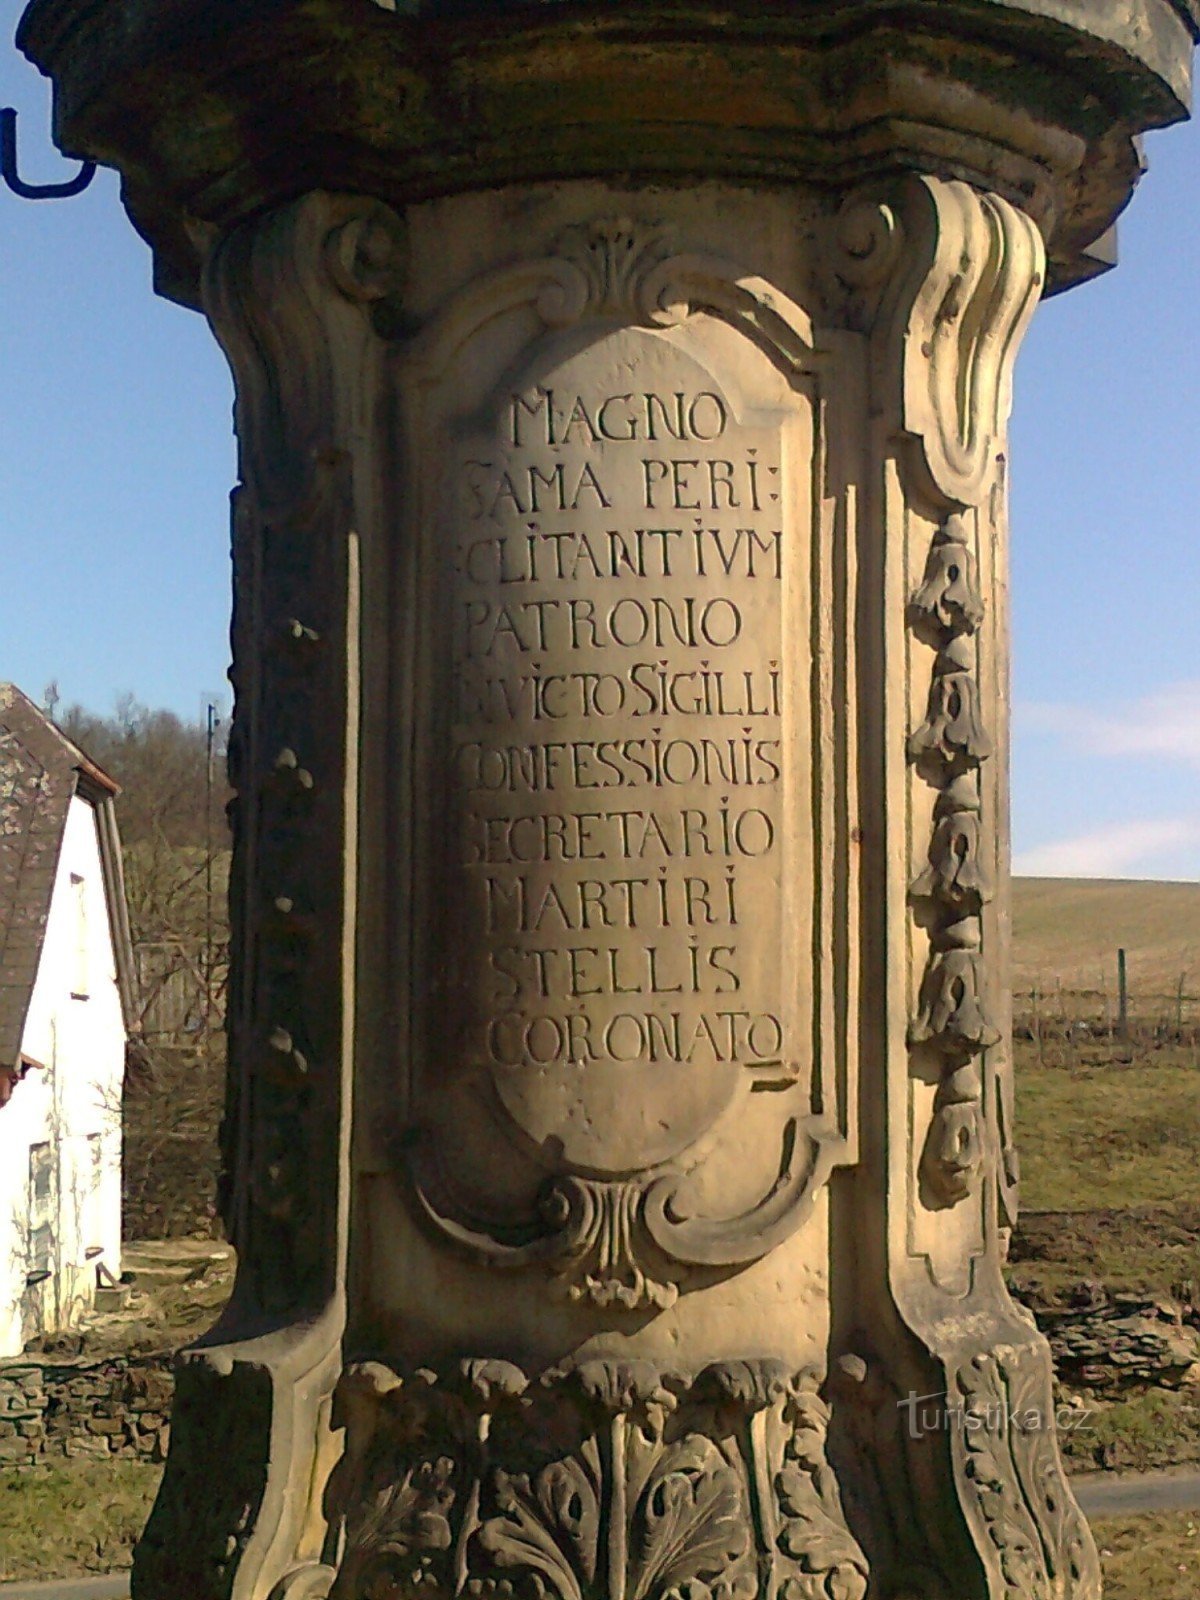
point(72, 1517)
point(1100, 1132)
point(1109, 1127)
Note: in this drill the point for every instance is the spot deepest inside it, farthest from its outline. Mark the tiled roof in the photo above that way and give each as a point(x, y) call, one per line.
point(40, 771)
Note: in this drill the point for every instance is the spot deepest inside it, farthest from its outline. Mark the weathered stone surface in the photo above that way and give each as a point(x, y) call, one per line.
point(619, 1144)
point(1038, 100)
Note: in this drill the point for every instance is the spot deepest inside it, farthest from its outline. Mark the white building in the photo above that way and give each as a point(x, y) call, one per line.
point(65, 969)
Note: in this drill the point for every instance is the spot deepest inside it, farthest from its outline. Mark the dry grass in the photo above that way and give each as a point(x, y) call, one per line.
point(72, 1517)
point(1155, 1557)
point(1110, 1142)
point(1066, 933)
point(1148, 1432)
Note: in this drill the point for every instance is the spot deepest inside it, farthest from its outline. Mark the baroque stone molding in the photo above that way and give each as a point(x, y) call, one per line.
point(987, 1413)
point(599, 1237)
point(1038, 99)
point(630, 272)
point(1034, 1538)
point(602, 1477)
point(942, 279)
point(966, 271)
point(947, 278)
point(620, 1231)
point(290, 297)
point(434, 477)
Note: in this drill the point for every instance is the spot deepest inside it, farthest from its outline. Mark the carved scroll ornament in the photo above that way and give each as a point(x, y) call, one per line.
point(947, 278)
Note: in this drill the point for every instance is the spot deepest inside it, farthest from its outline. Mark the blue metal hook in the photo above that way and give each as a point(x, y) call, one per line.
point(35, 191)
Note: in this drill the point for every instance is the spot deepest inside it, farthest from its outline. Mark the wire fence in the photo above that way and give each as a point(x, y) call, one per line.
point(1151, 1012)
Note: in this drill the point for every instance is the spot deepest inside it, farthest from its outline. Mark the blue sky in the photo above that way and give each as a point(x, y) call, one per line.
point(116, 457)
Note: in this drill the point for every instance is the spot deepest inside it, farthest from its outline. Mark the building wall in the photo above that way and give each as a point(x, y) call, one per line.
point(60, 1134)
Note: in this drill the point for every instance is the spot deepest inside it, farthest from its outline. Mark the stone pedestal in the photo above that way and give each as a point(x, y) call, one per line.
point(619, 1148)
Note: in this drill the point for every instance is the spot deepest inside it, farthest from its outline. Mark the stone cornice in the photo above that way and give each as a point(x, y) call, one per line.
point(215, 111)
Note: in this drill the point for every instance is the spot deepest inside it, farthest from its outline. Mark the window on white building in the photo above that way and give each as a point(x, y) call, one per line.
point(41, 1212)
point(79, 968)
point(92, 1173)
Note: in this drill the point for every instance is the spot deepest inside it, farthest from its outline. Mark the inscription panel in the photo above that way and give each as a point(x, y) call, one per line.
point(622, 677)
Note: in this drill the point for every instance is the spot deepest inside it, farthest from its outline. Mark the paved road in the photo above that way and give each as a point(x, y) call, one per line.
point(1100, 1495)
point(1129, 1494)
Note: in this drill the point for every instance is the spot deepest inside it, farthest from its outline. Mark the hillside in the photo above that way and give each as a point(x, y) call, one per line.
point(1066, 933)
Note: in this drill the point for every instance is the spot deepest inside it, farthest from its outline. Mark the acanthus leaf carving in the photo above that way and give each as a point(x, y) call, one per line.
point(1029, 1526)
point(690, 1529)
point(604, 1253)
point(638, 1389)
point(603, 1477)
point(824, 1560)
point(546, 1529)
point(588, 1231)
point(407, 1527)
point(614, 269)
point(615, 260)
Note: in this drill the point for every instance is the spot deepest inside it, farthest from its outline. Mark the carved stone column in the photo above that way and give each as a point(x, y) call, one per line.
point(619, 1150)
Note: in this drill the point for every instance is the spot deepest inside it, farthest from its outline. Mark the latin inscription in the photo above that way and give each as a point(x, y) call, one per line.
point(618, 568)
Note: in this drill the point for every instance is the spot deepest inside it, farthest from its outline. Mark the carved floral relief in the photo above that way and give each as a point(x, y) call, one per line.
point(1037, 1541)
point(611, 1479)
point(949, 747)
